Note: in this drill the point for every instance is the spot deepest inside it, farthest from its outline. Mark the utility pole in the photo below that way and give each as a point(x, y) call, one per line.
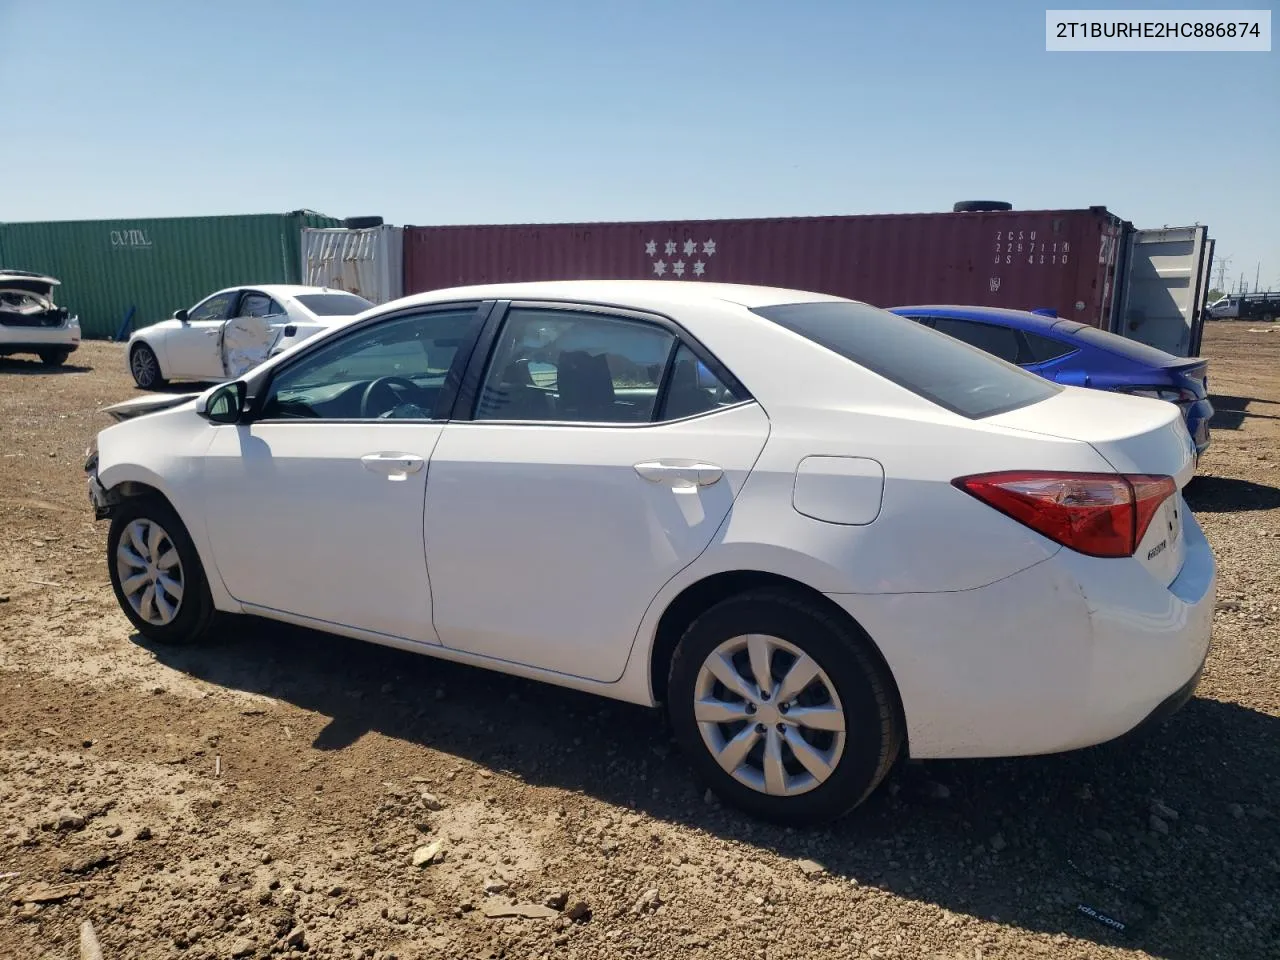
point(1257, 274)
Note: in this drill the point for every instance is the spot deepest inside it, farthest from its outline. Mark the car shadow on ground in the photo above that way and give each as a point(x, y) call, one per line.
point(1209, 494)
point(1229, 413)
point(22, 367)
point(1023, 841)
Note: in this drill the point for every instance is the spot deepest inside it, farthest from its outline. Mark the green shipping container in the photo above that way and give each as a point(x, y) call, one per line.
point(155, 265)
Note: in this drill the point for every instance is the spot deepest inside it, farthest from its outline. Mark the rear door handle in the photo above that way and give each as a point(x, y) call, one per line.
point(395, 466)
point(680, 473)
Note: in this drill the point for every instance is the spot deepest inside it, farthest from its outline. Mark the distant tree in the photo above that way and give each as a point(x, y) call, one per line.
point(1214, 294)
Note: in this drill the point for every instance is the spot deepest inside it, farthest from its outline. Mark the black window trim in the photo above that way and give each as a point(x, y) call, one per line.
point(258, 383)
point(468, 397)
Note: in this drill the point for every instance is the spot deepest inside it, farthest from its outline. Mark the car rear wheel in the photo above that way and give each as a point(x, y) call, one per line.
point(156, 573)
point(145, 367)
point(782, 708)
point(54, 358)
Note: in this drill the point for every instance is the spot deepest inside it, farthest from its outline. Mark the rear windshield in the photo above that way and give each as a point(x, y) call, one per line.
point(1123, 346)
point(334, 304)
point(954, 375)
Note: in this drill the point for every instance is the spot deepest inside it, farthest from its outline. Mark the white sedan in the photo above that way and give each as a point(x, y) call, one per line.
point(231, 331)
point(822, 535)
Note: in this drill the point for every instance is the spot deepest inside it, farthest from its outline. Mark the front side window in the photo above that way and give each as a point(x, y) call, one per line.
point(576, 367)
point(942, 370)
point(217, 307)
point(395, 369)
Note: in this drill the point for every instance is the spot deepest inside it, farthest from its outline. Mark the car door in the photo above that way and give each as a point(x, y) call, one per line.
point(194, 350)
point(314, 506)
point(247, 338)
point(598, 454)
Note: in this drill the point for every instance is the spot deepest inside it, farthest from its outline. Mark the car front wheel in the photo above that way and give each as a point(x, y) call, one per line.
point(156, 573)
point(145, 367)
point(54, 358)
point(782, 709)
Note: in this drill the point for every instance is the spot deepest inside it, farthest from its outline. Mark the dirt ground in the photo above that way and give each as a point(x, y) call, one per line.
point(265, 795)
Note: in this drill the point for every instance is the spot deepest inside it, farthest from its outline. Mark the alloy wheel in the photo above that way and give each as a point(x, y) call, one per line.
point(769, 715)
point(150, 572)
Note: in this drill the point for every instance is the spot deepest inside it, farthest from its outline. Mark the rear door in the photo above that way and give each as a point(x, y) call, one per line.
point(593, 460)
point(1164, 288)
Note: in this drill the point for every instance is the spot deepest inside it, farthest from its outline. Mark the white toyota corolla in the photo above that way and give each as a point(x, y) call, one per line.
point(822, 535)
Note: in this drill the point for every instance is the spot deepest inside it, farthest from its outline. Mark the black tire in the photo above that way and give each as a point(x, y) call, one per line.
point(866, 693)
point(145, 367)
point(195, 611)
point(54, 358)
point(362, 223)
point(981, 206)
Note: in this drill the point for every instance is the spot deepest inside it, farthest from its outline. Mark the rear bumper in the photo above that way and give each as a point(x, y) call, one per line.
point(1072, 652)
point(16, 339)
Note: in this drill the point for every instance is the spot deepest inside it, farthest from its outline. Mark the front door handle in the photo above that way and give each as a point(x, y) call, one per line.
point(680, 473)
point(395, 466)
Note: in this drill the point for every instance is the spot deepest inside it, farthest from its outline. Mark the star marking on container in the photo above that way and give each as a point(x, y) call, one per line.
point(650, 248)
point(699, 268)
point(690, 247)
point(670, 247)
point(709, 248)
point(678, 268)
point(659, 267)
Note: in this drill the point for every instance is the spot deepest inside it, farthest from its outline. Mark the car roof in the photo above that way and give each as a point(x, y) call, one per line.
point(1021, 319)
point(641, 294)
point(287, 289)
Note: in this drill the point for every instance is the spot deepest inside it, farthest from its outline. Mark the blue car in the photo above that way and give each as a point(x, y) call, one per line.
point(1072, 353)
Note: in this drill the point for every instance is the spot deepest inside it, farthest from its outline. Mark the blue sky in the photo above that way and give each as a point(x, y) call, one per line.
point(485, 111)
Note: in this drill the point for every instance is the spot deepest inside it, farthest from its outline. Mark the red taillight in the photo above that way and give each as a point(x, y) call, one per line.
point(1099, 514)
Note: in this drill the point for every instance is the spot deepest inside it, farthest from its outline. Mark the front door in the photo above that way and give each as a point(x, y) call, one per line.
point(194, 352)
point(556, 515)
point(319, 501)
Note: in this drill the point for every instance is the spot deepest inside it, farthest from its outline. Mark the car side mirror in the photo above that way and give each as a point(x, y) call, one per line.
point(291, 330)
point(223, 403)
point(180, 315)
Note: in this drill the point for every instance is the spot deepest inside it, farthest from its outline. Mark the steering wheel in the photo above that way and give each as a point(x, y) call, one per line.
point(387, 384)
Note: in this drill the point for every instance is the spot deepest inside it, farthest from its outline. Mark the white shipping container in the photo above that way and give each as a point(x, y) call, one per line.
point(368, 262)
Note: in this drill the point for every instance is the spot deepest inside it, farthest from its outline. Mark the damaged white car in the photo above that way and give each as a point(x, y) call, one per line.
point(232, 331)
point(30, 322)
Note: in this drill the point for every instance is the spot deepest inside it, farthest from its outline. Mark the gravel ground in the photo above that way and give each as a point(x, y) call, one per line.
point(281, 793)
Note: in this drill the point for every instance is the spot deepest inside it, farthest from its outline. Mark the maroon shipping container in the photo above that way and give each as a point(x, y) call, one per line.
point(1062, 259)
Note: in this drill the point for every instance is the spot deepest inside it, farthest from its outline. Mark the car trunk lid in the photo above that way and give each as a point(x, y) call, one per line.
point(1135, 436)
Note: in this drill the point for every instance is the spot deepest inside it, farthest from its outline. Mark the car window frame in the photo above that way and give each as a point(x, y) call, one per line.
point(258, 383)
point(467, 400)
point(236, 293)
point(245, 295)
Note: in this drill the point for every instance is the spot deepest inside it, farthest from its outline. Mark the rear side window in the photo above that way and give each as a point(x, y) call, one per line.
point(954, 375)
point(1043, 349)
point(334, 304)
point(998, 341)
